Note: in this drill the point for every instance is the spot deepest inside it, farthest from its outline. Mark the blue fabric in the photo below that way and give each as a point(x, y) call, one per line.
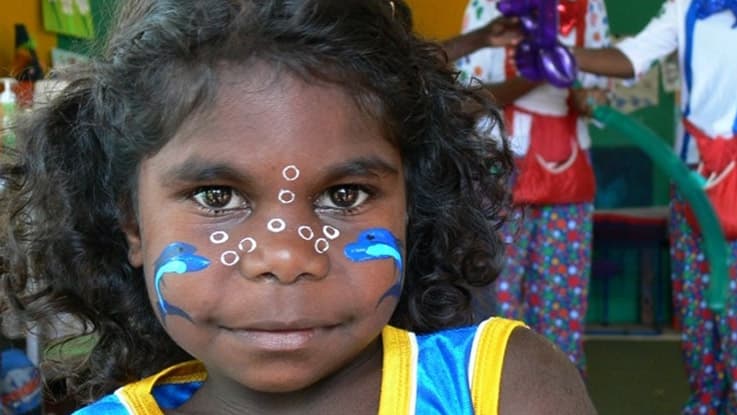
point(171, 396)
point(109, 405)
point(168, 396)
point(705, 8)
point(20, 382)
point(699, 9)
point(442, 373)
point(691, 17)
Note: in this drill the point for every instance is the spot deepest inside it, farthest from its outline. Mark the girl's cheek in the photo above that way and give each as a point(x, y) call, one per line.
point(187, 277)
point(178, 260)
point(375, 244)
point(380, 245)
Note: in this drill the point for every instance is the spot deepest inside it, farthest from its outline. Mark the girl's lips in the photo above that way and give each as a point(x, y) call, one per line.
point(281, 337)
point(278, 340)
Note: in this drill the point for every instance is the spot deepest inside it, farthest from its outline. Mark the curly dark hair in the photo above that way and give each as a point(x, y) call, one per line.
point(74, 181)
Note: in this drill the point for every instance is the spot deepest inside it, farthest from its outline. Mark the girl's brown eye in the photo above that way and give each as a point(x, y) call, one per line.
point(345, 196)
point(219, 198)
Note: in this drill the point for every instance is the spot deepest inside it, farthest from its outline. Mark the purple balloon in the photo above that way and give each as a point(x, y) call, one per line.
point(558, 65)
point(529, 25)
point(525, 58)
point(547, 13)
point(540, 56)
point(516, 7)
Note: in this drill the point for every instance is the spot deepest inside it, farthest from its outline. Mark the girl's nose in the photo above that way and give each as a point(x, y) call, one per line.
point(286, 252)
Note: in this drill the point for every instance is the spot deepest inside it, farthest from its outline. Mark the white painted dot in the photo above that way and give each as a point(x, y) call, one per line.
point(290, 173)
point(321, 245)
point(218, 237)
point(229, 258)
point(251, 244)
point(286, 196)
point(306, 233)
point(330, 232)
point(276, 225)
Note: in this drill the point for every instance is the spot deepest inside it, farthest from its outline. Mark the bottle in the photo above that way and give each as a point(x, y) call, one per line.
point(7, 111)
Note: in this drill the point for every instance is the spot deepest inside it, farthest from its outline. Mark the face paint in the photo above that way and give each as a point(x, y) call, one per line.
point(251, 243)
point(286, 196)
point(276, 225)
point(229, 258)
point(290, 173)
point(176, 258)
point(321, 245)
point(306, 233)
point(219, 237)
point(330, 232)
point(378, 243)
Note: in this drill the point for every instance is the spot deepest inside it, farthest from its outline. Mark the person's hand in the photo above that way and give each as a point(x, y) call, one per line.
point(503, 31)
point(586, 99)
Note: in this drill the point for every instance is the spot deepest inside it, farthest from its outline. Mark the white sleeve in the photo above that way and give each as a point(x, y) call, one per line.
point(481, 64)
point(478, 14)
point(595, 36)
point(656, 40)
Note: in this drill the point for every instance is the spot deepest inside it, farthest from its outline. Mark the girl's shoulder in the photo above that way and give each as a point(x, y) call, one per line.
point(538, 378)
point(167, 389)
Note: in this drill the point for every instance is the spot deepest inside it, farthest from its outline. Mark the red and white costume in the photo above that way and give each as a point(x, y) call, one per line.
point(708, 63)
point(545, 280)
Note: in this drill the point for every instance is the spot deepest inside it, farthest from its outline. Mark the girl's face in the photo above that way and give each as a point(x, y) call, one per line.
point(272, 233)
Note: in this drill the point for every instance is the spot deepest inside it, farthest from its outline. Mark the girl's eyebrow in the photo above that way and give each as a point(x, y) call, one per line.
point(361, 166)
point(195, 170)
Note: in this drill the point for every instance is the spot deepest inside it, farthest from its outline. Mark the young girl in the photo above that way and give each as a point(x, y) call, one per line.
point(281, 190)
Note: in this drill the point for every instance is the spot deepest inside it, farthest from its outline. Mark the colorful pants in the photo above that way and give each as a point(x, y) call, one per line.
point(708, 339)
point(545, 281)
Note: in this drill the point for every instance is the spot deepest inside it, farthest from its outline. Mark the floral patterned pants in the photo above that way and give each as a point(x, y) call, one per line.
point(708, 339)
point(545, 281)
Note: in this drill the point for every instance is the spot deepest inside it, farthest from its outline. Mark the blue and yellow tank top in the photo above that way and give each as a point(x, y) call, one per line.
point(456, 371)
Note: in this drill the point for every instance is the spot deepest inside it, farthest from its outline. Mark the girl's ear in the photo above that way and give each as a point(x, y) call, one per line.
point(132, 232)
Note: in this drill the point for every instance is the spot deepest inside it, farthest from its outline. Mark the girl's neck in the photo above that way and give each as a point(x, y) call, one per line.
point(354, 389)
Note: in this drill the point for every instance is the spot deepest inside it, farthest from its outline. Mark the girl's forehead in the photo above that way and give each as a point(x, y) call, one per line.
point(263, 120)
point(244, 92)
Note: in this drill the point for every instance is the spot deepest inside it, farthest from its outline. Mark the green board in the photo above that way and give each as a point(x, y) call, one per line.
point(102, 13)
point(73, 18)
point(627, 18)
point(661, 118)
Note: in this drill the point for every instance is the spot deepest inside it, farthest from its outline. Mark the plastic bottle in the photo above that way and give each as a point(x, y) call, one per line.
point(7, 111)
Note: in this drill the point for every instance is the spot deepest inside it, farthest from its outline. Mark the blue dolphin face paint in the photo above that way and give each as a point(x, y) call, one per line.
point(378, 243)
point(174, 249)
point(176, 258)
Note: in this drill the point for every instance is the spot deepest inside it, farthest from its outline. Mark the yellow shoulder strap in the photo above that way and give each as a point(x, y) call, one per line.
point(137, 396)
point(398, 380)
point(487, 361)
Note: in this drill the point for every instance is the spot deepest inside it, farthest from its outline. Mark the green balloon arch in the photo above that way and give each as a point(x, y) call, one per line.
point(690, 185)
